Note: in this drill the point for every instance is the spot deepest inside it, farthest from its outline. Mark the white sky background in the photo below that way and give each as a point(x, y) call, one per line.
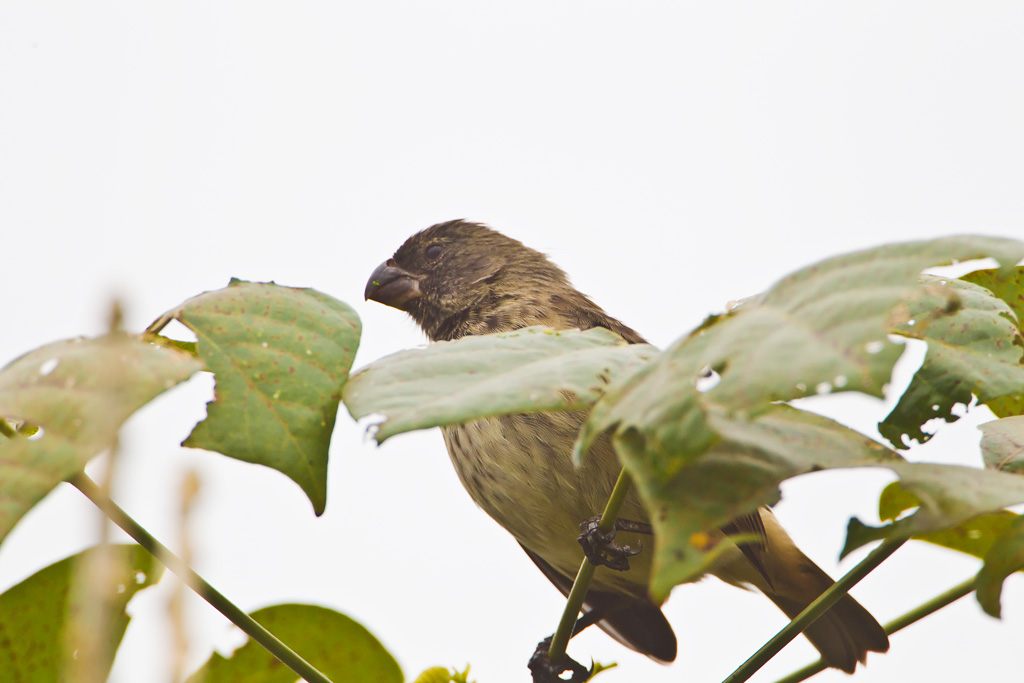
point(671, 156)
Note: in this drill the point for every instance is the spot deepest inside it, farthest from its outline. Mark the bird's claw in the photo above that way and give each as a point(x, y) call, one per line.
point(543, 670)
point(600, 547)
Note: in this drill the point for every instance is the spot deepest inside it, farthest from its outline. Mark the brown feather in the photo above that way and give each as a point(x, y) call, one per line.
point(460, 278)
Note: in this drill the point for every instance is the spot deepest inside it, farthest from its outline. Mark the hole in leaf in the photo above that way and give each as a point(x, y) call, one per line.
point(707, 380)
point(48, 366)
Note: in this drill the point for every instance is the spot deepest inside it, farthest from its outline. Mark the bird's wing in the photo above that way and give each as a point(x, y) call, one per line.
point(638, 624)
point(751, 525)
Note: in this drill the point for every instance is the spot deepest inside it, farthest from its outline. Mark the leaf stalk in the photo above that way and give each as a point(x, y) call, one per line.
point(574, 603)
point(163, 555)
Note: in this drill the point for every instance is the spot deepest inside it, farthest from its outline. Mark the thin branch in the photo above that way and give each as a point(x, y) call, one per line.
point(242, 620)
point(574, 603)
point(814, 610)
point(897, 624)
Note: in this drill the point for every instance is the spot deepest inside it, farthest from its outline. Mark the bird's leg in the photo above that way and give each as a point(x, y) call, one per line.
point(600, 547)
point(543, 670)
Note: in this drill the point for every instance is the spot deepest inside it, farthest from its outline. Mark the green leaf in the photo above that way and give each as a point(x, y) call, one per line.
point(280, 356)
point(1005, 283)
point(894, 501)
point(1008, 285)
point(734, 477)
point(973, 536)
point(529, 370)
point(79, 392)
point(1002, 444)
point(342, 649)
point(41, 618)
point(950, 495)
point(435, 674)
point(976, 350)
point(859, 534)
point(822, 329)
point(1004, 558)
point(597, 667)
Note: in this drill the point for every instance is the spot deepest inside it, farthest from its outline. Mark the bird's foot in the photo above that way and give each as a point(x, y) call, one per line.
point(544, 670)
point(600, 547)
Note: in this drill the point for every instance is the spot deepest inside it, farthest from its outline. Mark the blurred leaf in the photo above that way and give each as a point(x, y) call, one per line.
point(974, 351)
point(820, 330)
point(1002, 444)
point(598, 667)
point(280, 356)
point(1005, 557)
point(79, 392)
point(342, 649)
point(37, 615)
point(435, 674)
point(975, 536)
point(859, 534)
point(894, 501)
point(950, 496)
point(529, 370)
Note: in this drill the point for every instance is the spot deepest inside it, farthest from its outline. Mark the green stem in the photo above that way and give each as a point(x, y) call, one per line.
point(814, 610)
point(574, 603)
point(897, 624)
point(242, 620)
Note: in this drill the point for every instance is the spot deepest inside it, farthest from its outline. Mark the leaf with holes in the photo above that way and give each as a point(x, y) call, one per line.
point(822, 329)
point(280, 356)
point(44, 628)
point(976, 350)
point(529, 370)
point(79, 393)
point(340, 648)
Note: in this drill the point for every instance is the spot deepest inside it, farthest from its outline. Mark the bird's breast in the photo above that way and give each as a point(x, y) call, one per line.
point(519, 469)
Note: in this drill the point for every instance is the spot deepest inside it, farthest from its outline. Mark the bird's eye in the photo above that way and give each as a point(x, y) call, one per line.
point(433, 251)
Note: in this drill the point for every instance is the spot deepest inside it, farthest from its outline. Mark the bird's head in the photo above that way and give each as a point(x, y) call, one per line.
point(459, 278)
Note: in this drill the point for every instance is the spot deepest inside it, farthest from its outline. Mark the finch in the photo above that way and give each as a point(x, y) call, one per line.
point(461, 278)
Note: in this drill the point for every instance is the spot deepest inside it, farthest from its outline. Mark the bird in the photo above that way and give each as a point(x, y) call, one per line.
point(460, 278)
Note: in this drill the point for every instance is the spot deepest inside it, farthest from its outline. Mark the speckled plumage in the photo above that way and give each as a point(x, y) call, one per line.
point(459, 278)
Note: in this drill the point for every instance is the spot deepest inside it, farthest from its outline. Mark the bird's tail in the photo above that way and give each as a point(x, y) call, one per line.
point(845, 633)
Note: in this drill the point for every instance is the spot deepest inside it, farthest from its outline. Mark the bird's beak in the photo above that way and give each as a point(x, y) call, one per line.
point(392, 286)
